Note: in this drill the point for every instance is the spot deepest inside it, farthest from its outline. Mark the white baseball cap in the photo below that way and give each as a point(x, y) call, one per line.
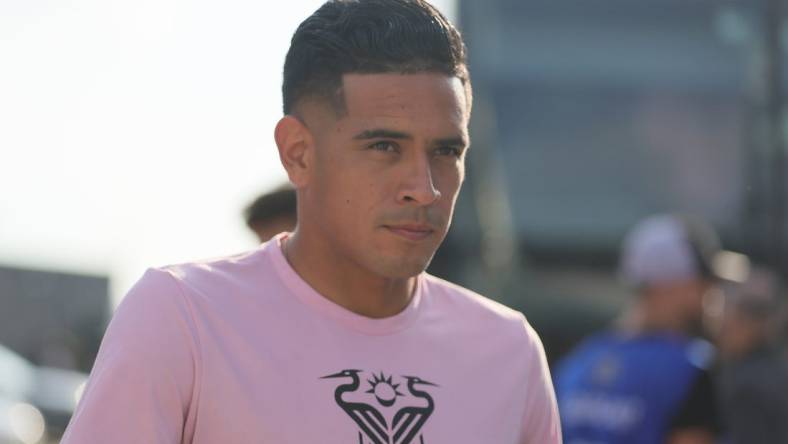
point(667, 248)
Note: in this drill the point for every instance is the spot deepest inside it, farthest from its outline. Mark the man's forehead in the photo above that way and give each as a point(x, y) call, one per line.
point(402, 92)
point(432, 105)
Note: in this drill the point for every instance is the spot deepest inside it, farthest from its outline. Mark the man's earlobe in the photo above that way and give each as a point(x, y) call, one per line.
point(294, 142)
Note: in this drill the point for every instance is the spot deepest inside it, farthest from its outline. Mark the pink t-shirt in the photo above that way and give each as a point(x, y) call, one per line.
point(242, 350)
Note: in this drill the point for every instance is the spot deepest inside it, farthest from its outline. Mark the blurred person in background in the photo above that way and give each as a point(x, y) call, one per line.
point(272, 213)
point(754, 373)
point(647, 381)
point(333, 333)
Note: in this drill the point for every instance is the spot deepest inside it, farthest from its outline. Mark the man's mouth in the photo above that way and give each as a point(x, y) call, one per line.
point(411, 232)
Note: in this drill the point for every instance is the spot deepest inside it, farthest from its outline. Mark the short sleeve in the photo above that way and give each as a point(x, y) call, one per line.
point(142, 383)
point(698, 409)
point(541, 423)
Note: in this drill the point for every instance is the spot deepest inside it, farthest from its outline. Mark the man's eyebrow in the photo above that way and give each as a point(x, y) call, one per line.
point(451, 141)
point(382, 133)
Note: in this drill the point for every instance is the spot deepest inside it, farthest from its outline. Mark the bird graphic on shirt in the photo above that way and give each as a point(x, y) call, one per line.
point(367, 417)
point(407, 421)
point(412, 414)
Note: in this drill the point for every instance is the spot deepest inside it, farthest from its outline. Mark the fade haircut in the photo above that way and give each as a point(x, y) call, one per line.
point(369, 37)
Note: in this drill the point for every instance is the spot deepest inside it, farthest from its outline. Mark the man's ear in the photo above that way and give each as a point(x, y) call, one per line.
point(296, 145)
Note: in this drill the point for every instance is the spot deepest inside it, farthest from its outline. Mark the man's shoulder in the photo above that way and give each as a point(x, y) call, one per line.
point(209, 278)
point(462, 303)
point(214, 268)
point(469, 313)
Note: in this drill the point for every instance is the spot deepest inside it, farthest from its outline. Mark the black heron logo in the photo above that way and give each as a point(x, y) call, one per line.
point(407, 422)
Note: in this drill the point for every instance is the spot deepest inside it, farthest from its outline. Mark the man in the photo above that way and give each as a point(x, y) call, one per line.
point(333, 333)
point(646, 381)
point(272, 213)
point(754, 376)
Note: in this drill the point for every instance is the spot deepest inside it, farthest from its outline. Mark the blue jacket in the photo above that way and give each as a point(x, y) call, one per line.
point(626, 389)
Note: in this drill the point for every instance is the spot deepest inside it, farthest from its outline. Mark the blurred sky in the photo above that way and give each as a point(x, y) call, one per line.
point(132, 134)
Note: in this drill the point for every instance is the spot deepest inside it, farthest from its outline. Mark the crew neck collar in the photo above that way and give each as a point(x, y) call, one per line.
point(310, 297)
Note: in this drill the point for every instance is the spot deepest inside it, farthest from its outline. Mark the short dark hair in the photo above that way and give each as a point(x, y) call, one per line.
point(369, 37)
point(281, 202)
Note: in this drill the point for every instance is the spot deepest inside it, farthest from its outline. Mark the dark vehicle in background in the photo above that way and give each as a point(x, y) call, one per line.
point(36, 403)
point(51, 323)
point(16, 381)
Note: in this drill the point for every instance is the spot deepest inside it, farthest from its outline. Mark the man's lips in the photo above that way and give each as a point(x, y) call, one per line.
point(413, 232)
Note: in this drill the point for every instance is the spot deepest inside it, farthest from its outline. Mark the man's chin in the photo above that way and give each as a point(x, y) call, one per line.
point(398, 268)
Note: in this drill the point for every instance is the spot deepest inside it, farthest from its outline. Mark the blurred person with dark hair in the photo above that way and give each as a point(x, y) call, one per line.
point(754, 371)
point(334, 333)
point(272, 213)
point(647, 380)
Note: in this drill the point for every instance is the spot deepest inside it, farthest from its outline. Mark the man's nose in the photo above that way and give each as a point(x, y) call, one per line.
point(418, 186)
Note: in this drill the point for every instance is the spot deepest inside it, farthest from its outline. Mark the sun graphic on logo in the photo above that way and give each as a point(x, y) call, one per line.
point(383, 389)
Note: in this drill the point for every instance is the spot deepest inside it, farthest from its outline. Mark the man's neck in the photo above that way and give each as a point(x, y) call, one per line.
point(639, 319)
point(344, 282)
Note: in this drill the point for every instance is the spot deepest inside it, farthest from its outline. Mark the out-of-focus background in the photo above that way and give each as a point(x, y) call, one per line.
point(133, 134)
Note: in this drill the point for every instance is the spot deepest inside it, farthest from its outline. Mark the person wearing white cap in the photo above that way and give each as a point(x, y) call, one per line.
point(646, 381)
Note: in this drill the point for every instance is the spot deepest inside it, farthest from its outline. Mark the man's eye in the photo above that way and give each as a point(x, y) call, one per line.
point(448, 151)
point(384, 146)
